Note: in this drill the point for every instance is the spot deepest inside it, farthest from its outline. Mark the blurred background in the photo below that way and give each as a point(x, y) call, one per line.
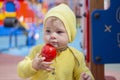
point(21, 24)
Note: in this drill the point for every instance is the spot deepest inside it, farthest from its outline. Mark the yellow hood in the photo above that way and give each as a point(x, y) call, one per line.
point(66, 15)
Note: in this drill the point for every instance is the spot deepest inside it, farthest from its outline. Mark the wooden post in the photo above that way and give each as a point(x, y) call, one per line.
point(97, 69)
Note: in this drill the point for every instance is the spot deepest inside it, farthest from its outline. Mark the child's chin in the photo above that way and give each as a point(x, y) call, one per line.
point(55, 46)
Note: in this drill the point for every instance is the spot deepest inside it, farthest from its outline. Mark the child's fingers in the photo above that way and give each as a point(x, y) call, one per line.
point(39, 57)
point(47, 63)
point(49, 69)
point(89, 78)
point(85, 76)
point(43, 64)
point(46, 67)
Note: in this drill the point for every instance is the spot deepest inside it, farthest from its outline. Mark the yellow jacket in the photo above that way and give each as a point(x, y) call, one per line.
point(69, 64)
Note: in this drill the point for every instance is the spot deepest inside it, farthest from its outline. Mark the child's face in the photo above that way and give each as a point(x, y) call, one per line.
point(55, 33)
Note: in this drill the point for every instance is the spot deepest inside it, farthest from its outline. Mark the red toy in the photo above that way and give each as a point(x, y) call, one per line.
point(49, 52)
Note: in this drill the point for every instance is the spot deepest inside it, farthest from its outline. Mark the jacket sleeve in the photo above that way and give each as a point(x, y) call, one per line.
point(80, 66)
point(24, 67)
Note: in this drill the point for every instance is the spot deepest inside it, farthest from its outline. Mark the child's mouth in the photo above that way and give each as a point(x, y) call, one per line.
point(53, 44)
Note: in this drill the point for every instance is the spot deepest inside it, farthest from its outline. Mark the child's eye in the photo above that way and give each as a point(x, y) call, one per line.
point(59, 32)
point(48, 31)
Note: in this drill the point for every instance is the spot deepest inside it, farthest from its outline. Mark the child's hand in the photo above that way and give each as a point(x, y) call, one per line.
point(85, 76)
point(39, 63)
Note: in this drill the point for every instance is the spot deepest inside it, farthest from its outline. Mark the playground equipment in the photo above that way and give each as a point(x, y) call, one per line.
point(15, 19)
point(9, 8)
point(106, 34)
point(103, 36)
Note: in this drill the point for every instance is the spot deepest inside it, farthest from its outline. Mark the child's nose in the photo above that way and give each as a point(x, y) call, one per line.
point(53, 36)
